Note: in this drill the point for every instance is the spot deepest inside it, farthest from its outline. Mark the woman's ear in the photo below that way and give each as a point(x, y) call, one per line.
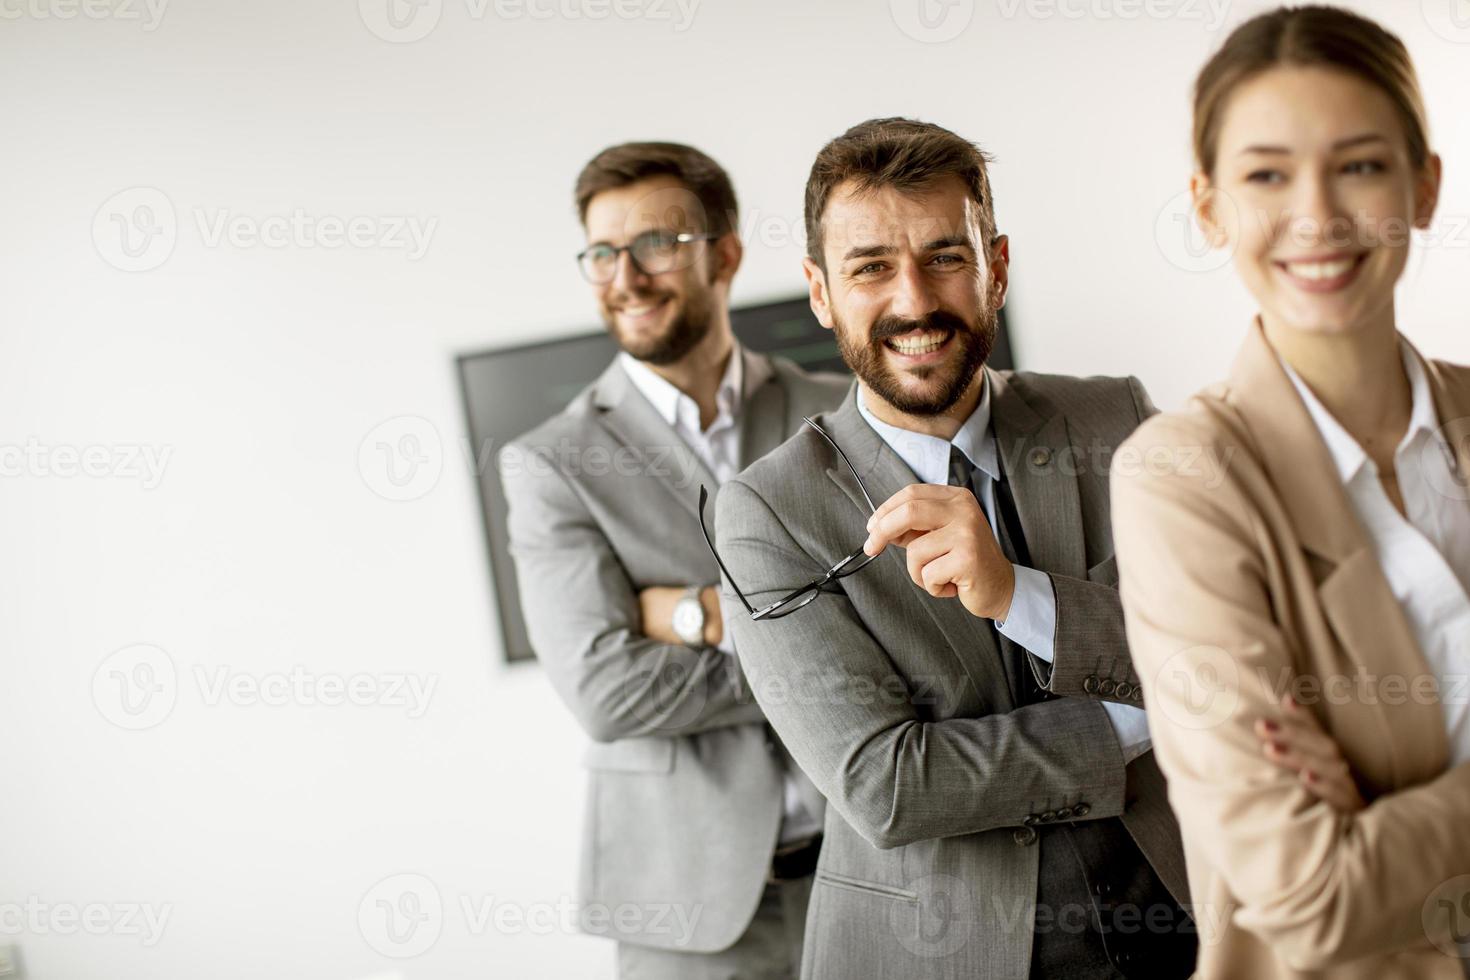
point(1207, 200)
point(1426, 191)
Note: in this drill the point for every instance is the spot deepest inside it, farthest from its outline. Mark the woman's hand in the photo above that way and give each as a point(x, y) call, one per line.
point(1297, 743)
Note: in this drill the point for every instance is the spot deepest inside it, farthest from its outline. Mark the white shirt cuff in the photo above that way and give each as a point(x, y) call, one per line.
point(1032, 621)
point(1130, 724)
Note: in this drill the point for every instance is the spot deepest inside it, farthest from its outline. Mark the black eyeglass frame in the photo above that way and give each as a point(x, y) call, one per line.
point(788, 604)
point(680, 238)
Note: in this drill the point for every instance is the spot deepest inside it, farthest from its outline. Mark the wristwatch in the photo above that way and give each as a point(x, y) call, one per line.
point(689, 618)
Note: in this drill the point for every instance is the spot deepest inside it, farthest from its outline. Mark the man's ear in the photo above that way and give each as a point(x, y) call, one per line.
point(1207, 201)
point(727, 252)
point(1000, 271)
point(1426, 191)
point(816, 282)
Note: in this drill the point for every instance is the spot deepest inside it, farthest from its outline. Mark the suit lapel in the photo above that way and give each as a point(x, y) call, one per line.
point(1031, 447)
point(884, 473)
point(660, 453)
point(1355, 596)
point(763, 409)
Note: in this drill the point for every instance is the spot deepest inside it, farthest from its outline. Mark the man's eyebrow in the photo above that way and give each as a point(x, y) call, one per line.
point(867, 252)
point(952, 241)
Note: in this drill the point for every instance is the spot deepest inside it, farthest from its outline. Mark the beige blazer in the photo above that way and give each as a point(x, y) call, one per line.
point(1244, 573)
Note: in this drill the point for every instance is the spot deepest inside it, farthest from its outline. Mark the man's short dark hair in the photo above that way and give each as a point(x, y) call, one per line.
point(901, 153)
point(627, 163)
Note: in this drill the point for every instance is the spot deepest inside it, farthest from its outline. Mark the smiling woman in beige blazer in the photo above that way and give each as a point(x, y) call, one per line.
point(1303, 530)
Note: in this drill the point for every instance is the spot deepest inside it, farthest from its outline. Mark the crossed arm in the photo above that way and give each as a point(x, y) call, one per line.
point(1320, 879)
point(585, 619)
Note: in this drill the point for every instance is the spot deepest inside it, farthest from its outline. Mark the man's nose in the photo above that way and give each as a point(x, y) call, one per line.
point(627, 277)
point(913, 296)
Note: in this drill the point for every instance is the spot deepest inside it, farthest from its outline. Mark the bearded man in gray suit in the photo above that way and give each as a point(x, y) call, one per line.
point(923, 596)
point(700, 834)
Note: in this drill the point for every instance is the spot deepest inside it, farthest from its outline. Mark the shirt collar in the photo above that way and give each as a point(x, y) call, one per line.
point(928, 456)
point(667, 399)
point(1347, 455)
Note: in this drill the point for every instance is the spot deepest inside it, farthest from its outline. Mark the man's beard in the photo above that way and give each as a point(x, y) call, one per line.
point(867, 360)
point(689, 326)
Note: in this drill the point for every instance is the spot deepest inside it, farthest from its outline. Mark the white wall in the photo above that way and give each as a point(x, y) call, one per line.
point(266, 546)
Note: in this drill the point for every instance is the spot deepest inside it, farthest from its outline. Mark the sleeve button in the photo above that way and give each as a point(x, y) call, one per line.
point(1090, 684)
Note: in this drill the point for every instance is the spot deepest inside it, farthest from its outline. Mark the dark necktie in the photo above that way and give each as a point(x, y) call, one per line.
point(1013, 544)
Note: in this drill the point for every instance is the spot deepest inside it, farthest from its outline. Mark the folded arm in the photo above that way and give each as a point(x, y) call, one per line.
point(582, 615)
point(1320, 885)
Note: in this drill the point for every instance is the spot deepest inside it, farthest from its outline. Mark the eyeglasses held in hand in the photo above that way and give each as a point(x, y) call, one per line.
point(652, 252)
point(789, 604)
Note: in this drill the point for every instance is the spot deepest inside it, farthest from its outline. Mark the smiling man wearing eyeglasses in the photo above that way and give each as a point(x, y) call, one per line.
point(930, 565)
point(701, 835)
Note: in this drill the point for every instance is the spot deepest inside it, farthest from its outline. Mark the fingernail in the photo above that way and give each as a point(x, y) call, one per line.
point(1269, 725)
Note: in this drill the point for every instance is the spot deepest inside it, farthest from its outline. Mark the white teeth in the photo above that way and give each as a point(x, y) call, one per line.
point(1320, 270)
point(919, 344)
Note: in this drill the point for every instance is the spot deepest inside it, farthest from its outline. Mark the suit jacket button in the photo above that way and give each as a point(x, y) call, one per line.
point(1081, 810)
point(1106, 687)
point(1138, 694)
point(1090, 684)
point(1025, 836)
point(1065, 813)
point(1040, 456)
point(1125, 690)
point(1048, 816)
point(1030, 820)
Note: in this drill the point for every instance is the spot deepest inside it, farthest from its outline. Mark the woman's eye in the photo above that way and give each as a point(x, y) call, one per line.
point(1364, 168)
point(1265, 177)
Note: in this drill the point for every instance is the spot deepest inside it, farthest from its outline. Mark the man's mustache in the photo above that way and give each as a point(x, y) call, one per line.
point(894, 326)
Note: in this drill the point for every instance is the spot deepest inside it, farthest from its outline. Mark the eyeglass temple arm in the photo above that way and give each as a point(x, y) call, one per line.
point(703, 496)
point(871, 506)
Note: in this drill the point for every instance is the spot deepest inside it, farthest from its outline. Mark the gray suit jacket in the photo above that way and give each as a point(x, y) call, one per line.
point(684, 799)
point(902, 711)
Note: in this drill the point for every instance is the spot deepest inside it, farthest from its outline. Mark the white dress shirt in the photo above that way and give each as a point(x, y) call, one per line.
point(718, 447)
point(1426, 555)
point(1031, 622)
